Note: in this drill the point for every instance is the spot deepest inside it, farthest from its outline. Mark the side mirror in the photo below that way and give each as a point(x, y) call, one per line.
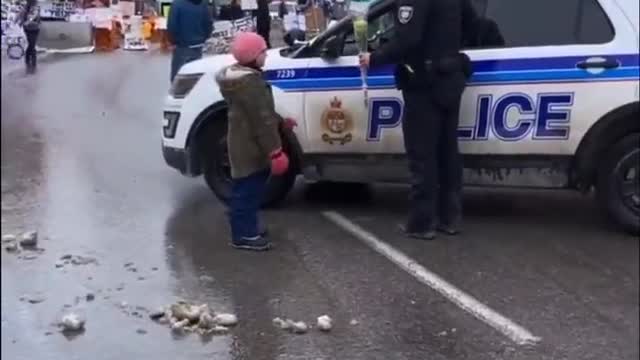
point(294, 36)
point(377, 35)
point(331, 48)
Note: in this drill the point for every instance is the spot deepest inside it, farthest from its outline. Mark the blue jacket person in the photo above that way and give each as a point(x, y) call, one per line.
point(190, 24)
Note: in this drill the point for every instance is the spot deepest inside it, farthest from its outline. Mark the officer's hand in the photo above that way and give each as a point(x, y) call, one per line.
point(364, 59)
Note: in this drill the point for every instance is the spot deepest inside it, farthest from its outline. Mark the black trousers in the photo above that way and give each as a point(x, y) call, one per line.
point(431, 142)
point(30, 55)
point(263, 28)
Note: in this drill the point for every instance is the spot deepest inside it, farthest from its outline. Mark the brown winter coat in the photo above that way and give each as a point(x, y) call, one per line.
point(253, 122)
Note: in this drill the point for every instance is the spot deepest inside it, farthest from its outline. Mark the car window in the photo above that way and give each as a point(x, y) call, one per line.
point(594, 25)
point(379, 18)
point(517, 23)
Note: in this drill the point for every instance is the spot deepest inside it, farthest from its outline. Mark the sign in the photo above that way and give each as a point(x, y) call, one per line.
point(100, 17)
point(384, 113)
point(336, 123)
point(161, 23)
point(294, 21)
point(164, 9)
point(249, 5)
point(79, 18)
point(59, 10)
point(127, 8)
point(133, 36)
point(516, 116)
point(512, 117)
point(223, 33)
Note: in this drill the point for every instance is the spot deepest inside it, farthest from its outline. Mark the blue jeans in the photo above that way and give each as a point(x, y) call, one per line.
point(246, 196)
point(183, 55)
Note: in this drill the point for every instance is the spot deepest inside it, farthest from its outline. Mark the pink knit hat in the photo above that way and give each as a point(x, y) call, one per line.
point(247, 46)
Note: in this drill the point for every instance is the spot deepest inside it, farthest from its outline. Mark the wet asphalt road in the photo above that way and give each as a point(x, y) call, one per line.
point(81, 163)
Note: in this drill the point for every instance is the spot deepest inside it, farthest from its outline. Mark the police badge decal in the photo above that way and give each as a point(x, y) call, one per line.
point(405, 13)
point(337, 123)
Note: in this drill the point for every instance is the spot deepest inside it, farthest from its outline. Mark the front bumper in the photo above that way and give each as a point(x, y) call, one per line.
point(175, 158)
point(182, 160)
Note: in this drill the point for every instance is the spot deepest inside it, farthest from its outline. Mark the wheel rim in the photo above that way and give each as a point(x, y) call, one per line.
point(627, 175)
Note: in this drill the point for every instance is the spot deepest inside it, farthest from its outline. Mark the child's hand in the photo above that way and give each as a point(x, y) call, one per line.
point(289, 123)
point(279, 162)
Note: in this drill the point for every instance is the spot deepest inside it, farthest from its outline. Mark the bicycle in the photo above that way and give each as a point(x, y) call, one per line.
point(16, 46)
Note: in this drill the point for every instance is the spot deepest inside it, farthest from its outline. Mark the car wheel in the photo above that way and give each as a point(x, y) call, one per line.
point(217, 170)
point(618, 183)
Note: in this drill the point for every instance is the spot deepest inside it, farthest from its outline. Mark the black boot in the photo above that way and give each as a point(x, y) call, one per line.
point(428, 234)
point(450, 213)
point(450, 228)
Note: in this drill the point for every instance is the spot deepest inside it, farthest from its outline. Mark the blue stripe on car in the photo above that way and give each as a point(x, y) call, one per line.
point(486, 72)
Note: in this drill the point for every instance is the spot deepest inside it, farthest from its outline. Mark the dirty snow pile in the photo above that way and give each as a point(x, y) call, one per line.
point(183, 316)
point(28, 240)
point(72, 323)
point(325, 323)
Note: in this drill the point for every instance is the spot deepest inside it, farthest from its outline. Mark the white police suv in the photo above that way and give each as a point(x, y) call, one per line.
point(553, 103)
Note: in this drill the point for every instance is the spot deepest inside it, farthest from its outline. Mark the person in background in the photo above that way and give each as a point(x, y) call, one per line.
point(263, 21)
point(253, 138)
point(190, 24)
point(30, 21)
point(282, 9)
point(213, 8)
point(340, 9)
point(231, 12)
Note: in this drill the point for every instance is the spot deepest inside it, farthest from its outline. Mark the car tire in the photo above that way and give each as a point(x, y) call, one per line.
point(217, 169)
point(618, 183)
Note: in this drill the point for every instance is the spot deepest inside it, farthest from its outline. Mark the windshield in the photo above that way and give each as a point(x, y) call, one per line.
point(334, 29)
point(373, 10)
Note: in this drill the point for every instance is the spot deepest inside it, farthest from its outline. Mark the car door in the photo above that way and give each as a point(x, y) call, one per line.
point(337, 113)
point(545, 70)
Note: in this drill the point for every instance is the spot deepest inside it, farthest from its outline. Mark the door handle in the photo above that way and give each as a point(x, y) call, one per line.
point(598, 64)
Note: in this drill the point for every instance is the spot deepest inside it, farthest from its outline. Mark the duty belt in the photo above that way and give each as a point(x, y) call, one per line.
point(435, 65)
point(445, 64)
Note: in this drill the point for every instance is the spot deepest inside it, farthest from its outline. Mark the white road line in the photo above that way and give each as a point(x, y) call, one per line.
point(467, 302)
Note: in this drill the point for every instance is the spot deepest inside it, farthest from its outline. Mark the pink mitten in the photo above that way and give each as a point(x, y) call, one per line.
point(289, 123)
point(279, 162)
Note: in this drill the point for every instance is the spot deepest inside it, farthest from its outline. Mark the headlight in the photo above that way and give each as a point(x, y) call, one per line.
point(182, 85)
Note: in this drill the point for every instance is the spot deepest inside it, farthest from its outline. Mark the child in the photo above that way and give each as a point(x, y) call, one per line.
point(255, 148)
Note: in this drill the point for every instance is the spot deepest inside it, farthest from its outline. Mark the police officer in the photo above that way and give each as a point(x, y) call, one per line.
point(432, 74)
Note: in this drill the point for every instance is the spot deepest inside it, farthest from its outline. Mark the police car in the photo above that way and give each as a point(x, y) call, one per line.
point(553, 103)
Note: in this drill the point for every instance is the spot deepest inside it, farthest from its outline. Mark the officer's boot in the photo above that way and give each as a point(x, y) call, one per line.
point(417, 228)
point(450, 213)
point(429, 234)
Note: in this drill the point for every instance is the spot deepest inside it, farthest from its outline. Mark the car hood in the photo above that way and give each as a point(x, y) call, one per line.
point(213, 63)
